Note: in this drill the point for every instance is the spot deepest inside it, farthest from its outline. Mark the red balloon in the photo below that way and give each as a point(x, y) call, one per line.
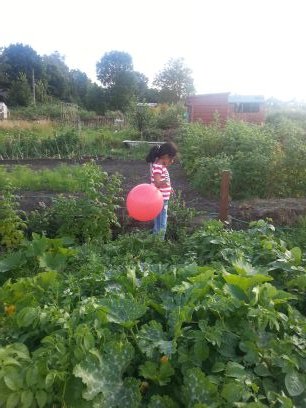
point(144, 202)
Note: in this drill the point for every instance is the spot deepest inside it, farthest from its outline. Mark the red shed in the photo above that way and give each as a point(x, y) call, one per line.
point(204, 108)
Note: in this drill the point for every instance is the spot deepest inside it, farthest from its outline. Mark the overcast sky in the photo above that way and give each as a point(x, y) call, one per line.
point(239, 46)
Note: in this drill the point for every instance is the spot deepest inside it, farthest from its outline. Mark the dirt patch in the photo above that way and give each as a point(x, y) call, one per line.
point(281, 211)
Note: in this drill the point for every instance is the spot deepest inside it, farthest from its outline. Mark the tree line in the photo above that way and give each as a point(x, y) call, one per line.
point(26, 78)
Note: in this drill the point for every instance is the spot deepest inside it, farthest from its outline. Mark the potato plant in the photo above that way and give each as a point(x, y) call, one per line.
point(214, 320)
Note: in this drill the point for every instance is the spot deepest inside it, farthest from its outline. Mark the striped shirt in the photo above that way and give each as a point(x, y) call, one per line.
point(165, 178)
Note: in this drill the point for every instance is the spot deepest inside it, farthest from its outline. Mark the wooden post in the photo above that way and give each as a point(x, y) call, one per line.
point(224, 195)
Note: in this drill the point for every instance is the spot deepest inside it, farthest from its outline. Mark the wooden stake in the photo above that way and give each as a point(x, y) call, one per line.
point(224, 195)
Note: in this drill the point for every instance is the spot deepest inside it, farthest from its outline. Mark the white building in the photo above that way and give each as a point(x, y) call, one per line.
point(3, 111)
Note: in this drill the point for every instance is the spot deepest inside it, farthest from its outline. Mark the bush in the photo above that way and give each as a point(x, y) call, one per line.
point(268, 161)
point(169, 117)
point(90, 215)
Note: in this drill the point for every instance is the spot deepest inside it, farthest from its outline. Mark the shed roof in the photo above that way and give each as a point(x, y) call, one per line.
point(246, 98)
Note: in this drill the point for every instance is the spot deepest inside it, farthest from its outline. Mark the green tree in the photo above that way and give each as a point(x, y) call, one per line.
point(141, 86)
point(112, 65)
point(41, 91)
point(79, 84)
point(140, 116)
point(57, 76)
point(96, 99)
point(20, 92)
point(18, 58)
point(115, 71)
point(174, 81)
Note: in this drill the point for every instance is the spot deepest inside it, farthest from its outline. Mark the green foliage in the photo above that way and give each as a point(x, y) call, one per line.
point(141, 117)
point(22, 140)
point(214, 320)
point(115, 71)
point(111, 65)
point(89, 215)
point(264, 161)
point(12, 224)
point(17, 58)
point(169, 116)
point(180, 217)
point(20, 91)
point(174, 81)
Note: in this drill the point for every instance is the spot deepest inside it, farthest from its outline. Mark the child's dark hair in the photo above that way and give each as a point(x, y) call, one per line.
point(168, 148)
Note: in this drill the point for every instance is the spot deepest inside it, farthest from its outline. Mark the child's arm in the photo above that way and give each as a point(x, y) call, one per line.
point(159, 183)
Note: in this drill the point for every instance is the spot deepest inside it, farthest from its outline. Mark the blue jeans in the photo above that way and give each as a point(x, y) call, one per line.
point(160, 222)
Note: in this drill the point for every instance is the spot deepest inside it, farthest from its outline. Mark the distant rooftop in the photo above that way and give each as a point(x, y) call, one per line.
point(233, 98)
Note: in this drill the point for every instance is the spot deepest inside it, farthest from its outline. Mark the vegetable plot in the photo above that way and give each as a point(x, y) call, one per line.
point(105, 327)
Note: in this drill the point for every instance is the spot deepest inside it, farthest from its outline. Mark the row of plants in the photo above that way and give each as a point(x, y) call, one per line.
point(46, 111)
point(24, 140)
point(61, 179)
point(265, 161)
point(209, 318)
point(215, 319)
point(86, 204)
point(89, 213)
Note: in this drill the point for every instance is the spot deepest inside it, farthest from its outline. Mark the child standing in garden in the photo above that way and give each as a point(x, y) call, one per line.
point(160, 157)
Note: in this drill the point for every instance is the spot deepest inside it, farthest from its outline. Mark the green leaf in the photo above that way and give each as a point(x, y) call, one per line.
point(27, 398)
point(235, 292)
point(55, 262)
point(285, 401)
point(122, 311)
point(49, 380)
point(235, 370)
point(218, 367)
point(295, 383)
point(73, 394)
point(246, 283)
point(296, 255)
point(16, 350)
point(298, 282)
point(12, 401)
point(32, 376)
point(262, 370)
point(198, 389)
point(232, 392)
point(125, 396)
point(47, 279)
point(152, 337)
point(26, 316)
point(158, 373)
point(244, 268)
point(103, 373)
point(158, 401)
point(41, 398)
point(13, 378)
point(12, 261)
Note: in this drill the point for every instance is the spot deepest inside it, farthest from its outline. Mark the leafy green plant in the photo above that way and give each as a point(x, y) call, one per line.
point(265, 161)
point(214, 320)
point(180, 217)
point(90, 214)
point(12, 223)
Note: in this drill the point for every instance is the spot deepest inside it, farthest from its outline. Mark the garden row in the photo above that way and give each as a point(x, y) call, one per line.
point(210, 318)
